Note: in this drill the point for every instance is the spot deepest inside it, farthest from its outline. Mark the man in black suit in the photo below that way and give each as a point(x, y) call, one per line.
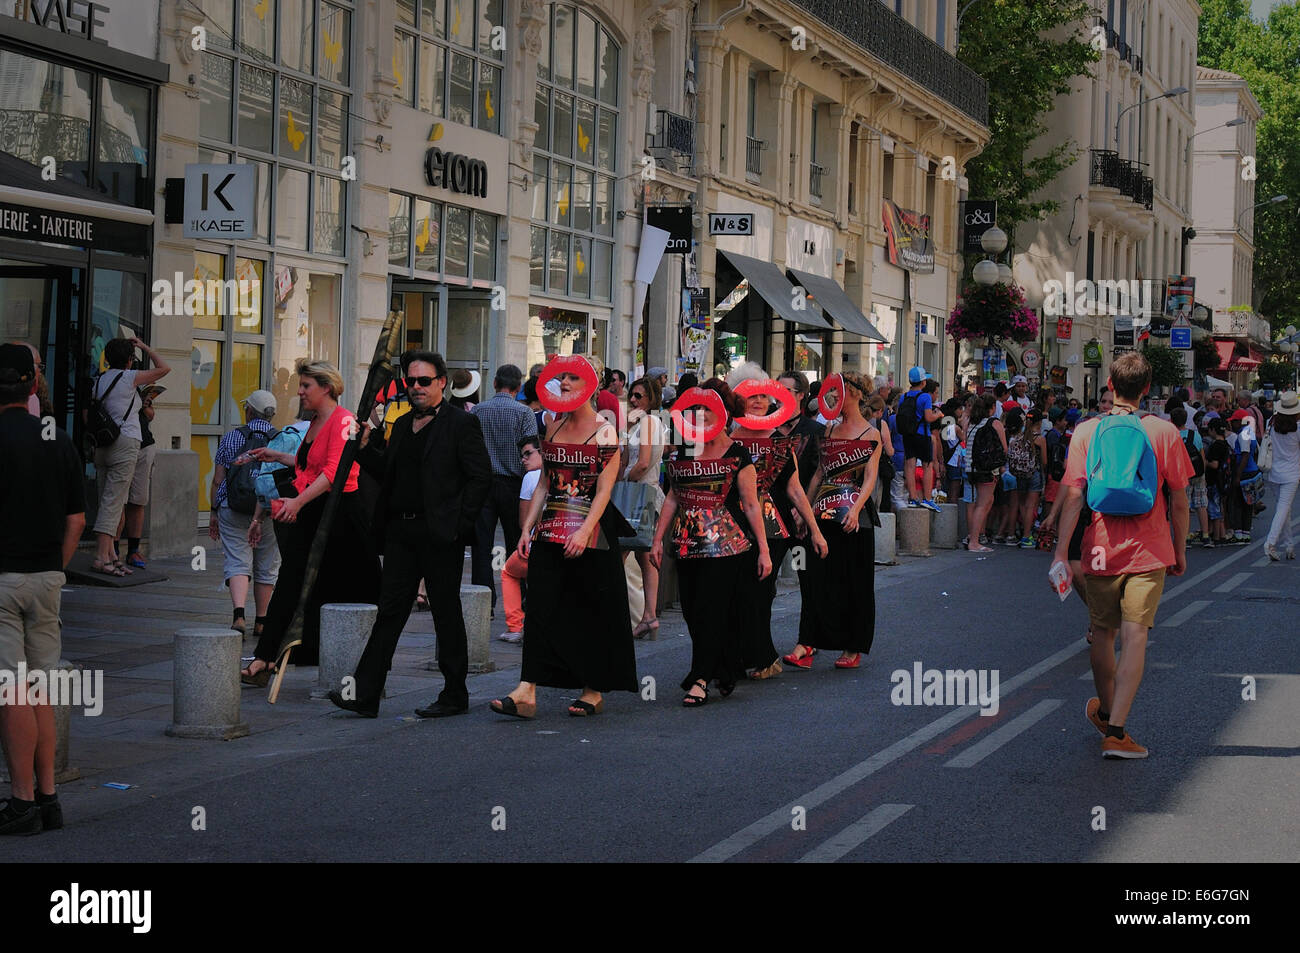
point(434, 475)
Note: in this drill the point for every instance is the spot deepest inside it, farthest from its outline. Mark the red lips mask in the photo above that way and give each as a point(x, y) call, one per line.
point(786, 408)
point(833, 383)
point(699, 397)
point(571, 364)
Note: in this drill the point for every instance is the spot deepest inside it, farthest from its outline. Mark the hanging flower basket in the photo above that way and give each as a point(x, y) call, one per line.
point(994, 312)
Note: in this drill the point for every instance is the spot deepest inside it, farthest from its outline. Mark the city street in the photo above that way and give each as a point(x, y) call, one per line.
point(651, 781)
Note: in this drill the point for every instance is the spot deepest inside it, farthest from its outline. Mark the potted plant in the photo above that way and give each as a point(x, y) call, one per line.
point(993, 312)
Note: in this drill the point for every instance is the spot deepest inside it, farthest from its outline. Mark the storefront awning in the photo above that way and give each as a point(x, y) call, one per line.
point(1228, 361)
point(833, 300)
point(772, 286)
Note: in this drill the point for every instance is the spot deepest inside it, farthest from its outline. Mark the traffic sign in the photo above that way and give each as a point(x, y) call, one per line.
point(219, 200)
point(1180, 339)
point(734, 224)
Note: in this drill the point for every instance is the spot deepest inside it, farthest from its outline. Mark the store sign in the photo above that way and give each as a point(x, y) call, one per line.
point(450, 170)
point(731, 224)
point(1064, 328)
point(1092, 353)
point(65, 228)
point(676, 222)
point(977, 217)
point(73, 17)
point(219, 200)
point(907, 238)
point(1123, 331)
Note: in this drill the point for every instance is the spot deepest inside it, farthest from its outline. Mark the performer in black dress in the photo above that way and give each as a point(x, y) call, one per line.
point(718, 538)
point(577, 633)
point(839, 611)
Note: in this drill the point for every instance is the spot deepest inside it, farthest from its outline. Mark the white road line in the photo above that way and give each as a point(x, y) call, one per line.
point(1023, 722)
point(1260, 563)
point(846, 840)
point(1234, 582)
point(1214, 570)
point(770, 823)
point(1183, 614)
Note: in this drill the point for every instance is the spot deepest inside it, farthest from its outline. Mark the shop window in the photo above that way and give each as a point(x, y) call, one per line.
point(335, 37)
point(406, 11)
point(205, 383)
point(561, 196)
point(208, 267)
point(255, 119)
point(555, 331)
point(433, 78)
point(307, 307)
point(428, 235)
point(457, 259)
point(257, 25)
point(542, 116)
point(331, 126)
point(460, 100)
point(399, 229)
point(124, 140)
point(580, 279)
point(608, 70)
point(404, 66)
point(329, 215)
point(457, 67)
point(540, 180)
point(296, 34)
point(467, 329)
point(485, 241)
point(221, 15)
point(606, 141)
point(460, 22)
point(489, 98)
point(216, 87)
point(295, 120)
point(537, 260)
point(602, 257)
point(292, 200)
point(262, 208)
point(249, 274)
point(46, 111)
point(562, 58)
point(559, 263)
point(588, 31)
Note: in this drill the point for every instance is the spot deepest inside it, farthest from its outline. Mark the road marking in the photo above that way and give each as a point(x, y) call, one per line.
point(771, 823)
point(1260, 563)
point(1234, 582)
point(1214, 570)
point(978, 752)
point(1185, 613)
point(853, 835)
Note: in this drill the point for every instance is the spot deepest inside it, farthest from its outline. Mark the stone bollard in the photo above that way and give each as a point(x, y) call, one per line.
point(914, 531)
point(944, 532)
point(205, 685)
point(344, 630)
point(63, 731)
point(886, 540)
point(476, 604)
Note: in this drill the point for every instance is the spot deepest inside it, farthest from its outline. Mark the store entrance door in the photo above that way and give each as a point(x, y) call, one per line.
point(41, 307)
point(421, 306)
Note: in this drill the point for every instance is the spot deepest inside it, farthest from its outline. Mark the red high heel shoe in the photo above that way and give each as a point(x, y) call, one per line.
point(800, 661)
point(852, 661)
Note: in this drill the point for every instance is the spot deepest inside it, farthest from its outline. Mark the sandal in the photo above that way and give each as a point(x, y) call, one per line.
point(979, 549)
point(761, 673)
point(259, 678)
point(136, 560)
point(581, 709)
point(695, 701)
point(726, 690)
point(644, 629)
point(117, 561)
point(507, 706)
point(849, 661)
point(803, 661)
point(106, 568)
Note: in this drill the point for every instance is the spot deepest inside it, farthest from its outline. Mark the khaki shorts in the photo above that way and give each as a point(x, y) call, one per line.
point(114, 470)
point(1129, 597)
point(29, 620)
point(139, 494)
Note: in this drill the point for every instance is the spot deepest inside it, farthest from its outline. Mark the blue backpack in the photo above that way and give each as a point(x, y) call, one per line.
point(1121, 464)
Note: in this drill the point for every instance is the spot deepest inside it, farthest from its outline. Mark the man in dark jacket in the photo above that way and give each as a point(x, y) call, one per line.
point(434, 476)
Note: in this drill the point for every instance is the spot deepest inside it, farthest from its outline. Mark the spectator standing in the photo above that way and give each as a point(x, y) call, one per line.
point(1197, 500)
point(1125, 586)
point(138, 496)
point(986, 444)
point(1247, 483)
point(645, 451)
point(504, 422)
point(515, 571)
point(42, 515)
point(916, 412)
point(1020, 392)
point(115, 389)
point(1284, 473)
point(231, 520)
point(1218, 480)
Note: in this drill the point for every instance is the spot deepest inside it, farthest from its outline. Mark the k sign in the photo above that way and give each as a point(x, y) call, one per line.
point(219, 201)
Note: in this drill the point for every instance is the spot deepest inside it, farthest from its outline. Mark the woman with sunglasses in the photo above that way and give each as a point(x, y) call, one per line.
point(577, 633)
point(718, 537)
point(840, 609)
point(780, 496)
point(645, 450)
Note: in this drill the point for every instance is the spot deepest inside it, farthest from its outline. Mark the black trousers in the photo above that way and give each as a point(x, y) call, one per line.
point(409, 556)
point(502, 504)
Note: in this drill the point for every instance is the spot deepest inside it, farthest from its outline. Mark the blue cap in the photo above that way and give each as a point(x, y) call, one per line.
point(1072, 415)
point(916, 375)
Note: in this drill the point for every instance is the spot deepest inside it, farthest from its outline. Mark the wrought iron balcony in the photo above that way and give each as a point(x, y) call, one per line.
point(1137, 63)
point(754, 155)
point(1148, 198)
point(674, 132)
point(815, 173)
point(1104, 168)
point(1108, 170)
point(877, 29)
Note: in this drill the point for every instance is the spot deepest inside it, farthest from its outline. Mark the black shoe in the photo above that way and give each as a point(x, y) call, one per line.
point(441, 709)
point(20, 822)
point(51, 814)
point(362, 709)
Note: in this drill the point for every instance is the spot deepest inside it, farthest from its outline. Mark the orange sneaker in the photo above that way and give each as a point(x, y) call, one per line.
point(1091, 709)
point(1124, 747)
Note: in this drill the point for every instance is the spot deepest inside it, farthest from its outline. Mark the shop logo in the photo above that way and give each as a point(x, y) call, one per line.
point(73, 17)
point(450, 170)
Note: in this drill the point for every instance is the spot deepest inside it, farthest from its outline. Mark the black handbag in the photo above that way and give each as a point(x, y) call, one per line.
point(102, 429)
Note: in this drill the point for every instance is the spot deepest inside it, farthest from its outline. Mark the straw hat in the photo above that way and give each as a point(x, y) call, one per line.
point(469, 386)
point(1288, 404)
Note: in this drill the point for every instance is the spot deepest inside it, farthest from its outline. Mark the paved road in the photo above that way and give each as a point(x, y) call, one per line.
point(816, 766)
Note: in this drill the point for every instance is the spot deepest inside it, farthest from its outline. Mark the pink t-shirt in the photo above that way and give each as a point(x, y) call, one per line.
point(1131, 544)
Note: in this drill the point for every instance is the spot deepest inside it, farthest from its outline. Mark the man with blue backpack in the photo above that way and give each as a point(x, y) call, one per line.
point(916, 412)
point(1133, 469)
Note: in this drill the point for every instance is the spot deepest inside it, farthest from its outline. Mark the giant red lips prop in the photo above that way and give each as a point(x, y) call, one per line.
point(833, 383)
point(570, 364)
point(787, 404)
point(705, 399)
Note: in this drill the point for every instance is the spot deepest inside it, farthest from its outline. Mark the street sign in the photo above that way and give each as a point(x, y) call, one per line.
point(734, 224)
point(1180, 339)
point(1123, 331)
point(219, 201)
point(1030, 358)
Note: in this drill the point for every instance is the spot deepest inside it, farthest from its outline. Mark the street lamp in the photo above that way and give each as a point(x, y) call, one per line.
point(994, 242)
point(1167, 94)
point(1004, 274)
point(1239, 121)
point(1275, 200)
point(985, 272)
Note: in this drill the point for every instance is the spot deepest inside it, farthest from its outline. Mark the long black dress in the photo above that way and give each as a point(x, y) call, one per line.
point(839, 608)
point(714, 555)
point(774, 464)
point(577, 633)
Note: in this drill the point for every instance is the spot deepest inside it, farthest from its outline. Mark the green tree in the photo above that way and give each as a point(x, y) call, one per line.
point(1167, 368)
point(1267, 56)
point(1029, 52)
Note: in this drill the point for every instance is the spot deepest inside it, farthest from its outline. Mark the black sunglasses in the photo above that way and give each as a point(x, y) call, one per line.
point(421, 381)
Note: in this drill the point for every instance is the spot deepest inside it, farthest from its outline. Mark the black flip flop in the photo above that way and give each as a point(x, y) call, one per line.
point(507, 706)
point(585, 709)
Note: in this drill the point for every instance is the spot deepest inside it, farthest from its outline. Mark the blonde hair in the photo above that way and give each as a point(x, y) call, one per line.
point(748, 371)
point(323, 373)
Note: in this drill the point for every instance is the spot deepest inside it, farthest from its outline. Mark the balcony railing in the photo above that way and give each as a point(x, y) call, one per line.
point(891, 39)
point(754, 155)
point(815, 173)
point(1108, 170)
point(1242, 324)
point(674, 137)
point(1137, 63)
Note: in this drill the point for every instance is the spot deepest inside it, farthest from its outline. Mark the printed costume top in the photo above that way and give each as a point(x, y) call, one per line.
point(773, 463)
point(708, 521)
point(844, 464)
point(572, 470)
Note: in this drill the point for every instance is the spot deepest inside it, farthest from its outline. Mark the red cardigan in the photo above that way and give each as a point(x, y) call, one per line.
point(324, 453)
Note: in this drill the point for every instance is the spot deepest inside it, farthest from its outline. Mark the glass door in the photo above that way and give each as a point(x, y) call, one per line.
point(420, 304)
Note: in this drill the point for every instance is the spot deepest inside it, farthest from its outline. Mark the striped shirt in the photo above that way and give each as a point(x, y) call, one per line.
point(504, 421)
point(231, 446)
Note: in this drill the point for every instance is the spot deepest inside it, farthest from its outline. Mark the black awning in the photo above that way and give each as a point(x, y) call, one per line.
point(827, 293)
point(773, 287)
